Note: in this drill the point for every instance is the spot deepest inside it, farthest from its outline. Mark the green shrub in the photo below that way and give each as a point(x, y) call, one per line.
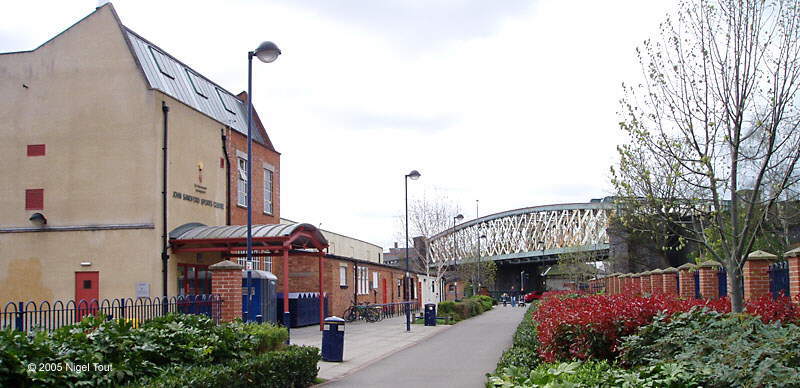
point(173, 340)
point(486, 301)
point(294, 366)
point(593, 374)
point(446, 307)
point(724, 350)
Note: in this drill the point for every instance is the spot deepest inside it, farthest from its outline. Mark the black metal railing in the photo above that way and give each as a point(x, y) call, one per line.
point(779, 279)
point(696, 275)
point(26, 316)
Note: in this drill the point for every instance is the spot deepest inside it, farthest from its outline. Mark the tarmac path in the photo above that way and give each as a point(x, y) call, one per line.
point(457, 357)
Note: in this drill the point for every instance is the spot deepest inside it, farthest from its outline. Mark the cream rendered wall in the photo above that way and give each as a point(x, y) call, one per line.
point(88, 102)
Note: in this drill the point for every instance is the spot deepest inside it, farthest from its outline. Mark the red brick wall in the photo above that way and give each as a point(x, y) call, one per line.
point(261, 154)
point(453, 295)
point(303, 278)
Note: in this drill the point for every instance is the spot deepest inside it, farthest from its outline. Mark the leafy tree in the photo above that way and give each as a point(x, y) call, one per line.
point(713, 126)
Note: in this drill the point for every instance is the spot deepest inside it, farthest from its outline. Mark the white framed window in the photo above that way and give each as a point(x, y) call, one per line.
point(343, 276)
point(363, 280)
point(255, 262)
point(267, 191)
point(241, 199)
point(375, 279)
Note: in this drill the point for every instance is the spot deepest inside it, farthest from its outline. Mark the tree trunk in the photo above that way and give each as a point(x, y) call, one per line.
point(735, 286)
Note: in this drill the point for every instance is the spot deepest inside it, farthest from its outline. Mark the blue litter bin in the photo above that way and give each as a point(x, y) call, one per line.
point(430, 314)
point(333, 339)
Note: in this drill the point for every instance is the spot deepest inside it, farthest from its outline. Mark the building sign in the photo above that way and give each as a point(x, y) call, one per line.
point(142, 290)
point(198, 200)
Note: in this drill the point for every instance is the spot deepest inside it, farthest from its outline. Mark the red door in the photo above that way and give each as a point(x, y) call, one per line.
point(87, 293)
point(385, 291)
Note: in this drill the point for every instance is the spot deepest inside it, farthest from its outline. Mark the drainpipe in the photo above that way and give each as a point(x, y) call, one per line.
point(164, 255)
point(228, 177)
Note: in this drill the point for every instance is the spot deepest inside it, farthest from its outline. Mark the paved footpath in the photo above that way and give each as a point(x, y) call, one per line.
point(364, 343)
point(459, 356)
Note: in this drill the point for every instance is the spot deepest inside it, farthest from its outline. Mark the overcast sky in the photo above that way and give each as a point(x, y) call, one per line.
point(510, 102)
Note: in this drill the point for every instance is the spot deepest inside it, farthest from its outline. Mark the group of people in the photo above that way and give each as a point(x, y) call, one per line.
point(514, 297)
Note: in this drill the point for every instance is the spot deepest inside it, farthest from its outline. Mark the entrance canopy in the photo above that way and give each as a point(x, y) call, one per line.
point(268, 240)
point(232, 239)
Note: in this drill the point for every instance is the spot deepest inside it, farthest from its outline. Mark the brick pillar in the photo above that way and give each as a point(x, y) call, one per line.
point(226, 281)
point(670, 280)
point(793, 258)
point(637, 284)
point(657, 280)
point(646, 285)
point(686, 274)
point(756, 275)
point(622, 279)
point(709, 282)
point(612, 284)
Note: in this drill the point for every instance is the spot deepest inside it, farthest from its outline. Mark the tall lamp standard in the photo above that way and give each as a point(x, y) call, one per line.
point(414, 175)
point(266, 52)
point(455, 247)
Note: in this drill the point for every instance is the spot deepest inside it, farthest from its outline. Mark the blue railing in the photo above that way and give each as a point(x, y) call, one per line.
point(779, 279)
point(26, 316)
point(303, 308)
point(722, 282)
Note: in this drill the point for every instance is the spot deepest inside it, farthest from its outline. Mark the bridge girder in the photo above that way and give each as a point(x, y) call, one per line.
point(529, 235)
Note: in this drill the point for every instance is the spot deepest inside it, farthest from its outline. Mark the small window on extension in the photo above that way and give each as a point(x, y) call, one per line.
point(161, 61)
point(196, 83)
point(226, 103)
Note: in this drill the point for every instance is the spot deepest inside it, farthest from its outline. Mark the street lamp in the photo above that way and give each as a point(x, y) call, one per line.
point(459, 217)
point(266, 52)
point(414, 175)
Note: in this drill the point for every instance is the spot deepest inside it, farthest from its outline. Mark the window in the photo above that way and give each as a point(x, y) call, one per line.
point(375, 280)
point(343, 276)
point(36, 150)
point(399, 290)
point(226, 101)
point(162, 62)
point(363, 280)
point(194, 79)
point(242, 183)
point(267, 191)
point(34, 199)
point(193, 279)
point(255, 262)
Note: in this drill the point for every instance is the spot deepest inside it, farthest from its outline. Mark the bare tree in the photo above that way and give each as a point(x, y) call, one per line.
point(428, 216)
point(713, 128)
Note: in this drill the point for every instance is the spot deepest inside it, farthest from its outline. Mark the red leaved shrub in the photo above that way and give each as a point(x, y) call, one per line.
point(591, 326)
point(772, 310)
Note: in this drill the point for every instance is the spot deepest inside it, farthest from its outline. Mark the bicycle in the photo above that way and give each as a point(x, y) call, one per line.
point(366, 312)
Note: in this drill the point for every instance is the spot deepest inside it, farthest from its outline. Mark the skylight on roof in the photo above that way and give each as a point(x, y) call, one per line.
point(226, 103)
point(197, 84)
point(162, 62)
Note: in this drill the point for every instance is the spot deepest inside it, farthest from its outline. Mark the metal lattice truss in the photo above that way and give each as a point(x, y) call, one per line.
point(533, 231)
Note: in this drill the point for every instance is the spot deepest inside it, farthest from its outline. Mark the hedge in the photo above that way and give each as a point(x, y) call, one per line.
point(465, 308)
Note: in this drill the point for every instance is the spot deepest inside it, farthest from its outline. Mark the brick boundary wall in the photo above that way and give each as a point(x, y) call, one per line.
point(637, 284)
point(756, 274)
point(226, 281)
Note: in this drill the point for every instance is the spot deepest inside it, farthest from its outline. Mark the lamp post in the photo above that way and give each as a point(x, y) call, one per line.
point(414, 175)
point(459, 217)
point(266, 52)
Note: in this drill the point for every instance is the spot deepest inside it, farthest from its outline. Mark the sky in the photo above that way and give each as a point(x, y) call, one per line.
point(512, 103)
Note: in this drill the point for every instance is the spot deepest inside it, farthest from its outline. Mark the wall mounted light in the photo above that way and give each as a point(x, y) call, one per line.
point(86, 263)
